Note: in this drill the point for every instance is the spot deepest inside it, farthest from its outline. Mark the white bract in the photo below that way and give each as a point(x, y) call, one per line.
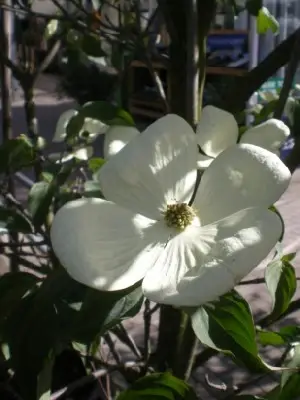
point(116, 137)
point(94, 127)
point(146, 230)
point(218, 129)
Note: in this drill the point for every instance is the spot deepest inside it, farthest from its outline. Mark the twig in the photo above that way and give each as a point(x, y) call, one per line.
point(257, 281)
point(155, 76)
point(27, 254)
point(147, 331)
point(68, 390)
point(112, 349)
point(47, 60)
point(154, 309)
point(23, 244)
point(256, 379)
point(14, 202)
point(126, 339)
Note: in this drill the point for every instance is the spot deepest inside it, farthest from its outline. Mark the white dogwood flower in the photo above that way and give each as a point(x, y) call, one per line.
point(93, 127)
point(147, 229)
point(116, 137)
point(218, 129)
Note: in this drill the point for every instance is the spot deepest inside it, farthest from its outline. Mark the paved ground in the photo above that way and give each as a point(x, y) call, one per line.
point(49, 107)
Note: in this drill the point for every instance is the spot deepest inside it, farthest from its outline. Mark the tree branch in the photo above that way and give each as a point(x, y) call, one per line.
point(243, 88)
point(288, 79)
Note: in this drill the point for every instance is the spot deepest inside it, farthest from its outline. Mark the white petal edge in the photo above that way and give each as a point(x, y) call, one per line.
point(270, 135)
point(104, 246)
point(60, 130)
point(118, 137)
point(94, 127)
point(242, 176)
point(204, 161)
point(242, 242)
point(216, 130)
point(157, 167)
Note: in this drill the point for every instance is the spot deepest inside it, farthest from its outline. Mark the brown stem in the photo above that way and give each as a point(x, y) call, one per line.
point(31, 120)
point(192, 64)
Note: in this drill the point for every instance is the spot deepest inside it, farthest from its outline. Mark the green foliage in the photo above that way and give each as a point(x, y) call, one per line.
point(91, 46)
point(285, 335)
point(290, 380)
point(265, 113)
point(95, 164)
point(107, 113)
point(100, 111)
point(92, 189)
point(227, 326)
point(254, 6)
point(160, 387)
point(281, 282)
point(39, 201)
point(101, 311)
point(38, 322)
point(42, 194)
point(12, 220)
point(22, 284)
point(266, 21)
point(16, 154)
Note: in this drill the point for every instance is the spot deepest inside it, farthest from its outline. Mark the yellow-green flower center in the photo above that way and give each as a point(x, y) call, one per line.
point(179, 215)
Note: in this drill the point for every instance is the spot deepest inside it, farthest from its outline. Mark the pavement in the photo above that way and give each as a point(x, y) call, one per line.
point(219, 371)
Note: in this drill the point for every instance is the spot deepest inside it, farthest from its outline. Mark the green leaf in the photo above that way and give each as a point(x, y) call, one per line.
point(14, 221)
point(268, 338)
point(106, 113)
point(101, 311)
point(266, 21)
point(92, 189)
point(281, 282)
point(39, 201)
point(42, 193)
point(285, 335)
point(254, 6)
point(52, 28)
point(91, 45)
point(290, 380)
point(33, 331)
point(159, 386)
point(289, 257)
point(16, 154)
point(13, 287)
point(228, 326)
point(265, 113)
point(74, 127)
point(95, 164)
point(44, 380)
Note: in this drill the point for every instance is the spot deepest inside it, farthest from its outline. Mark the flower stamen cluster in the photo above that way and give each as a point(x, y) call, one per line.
point(179, 216)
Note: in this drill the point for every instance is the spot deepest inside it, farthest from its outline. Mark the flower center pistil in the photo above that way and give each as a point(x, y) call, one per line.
point(179, 215)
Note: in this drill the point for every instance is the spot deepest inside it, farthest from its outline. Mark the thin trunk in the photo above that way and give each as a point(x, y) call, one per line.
point(32, 125)
point(6, 100)
point(188, 32)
